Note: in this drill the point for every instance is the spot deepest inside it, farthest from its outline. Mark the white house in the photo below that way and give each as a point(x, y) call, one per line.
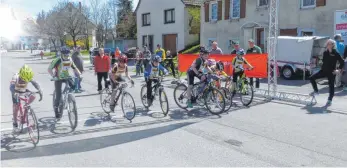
point(165, 22)
point(227, 20)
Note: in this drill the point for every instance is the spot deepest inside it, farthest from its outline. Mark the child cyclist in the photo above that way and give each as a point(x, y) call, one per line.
point(119, 70)
point(237, 64)
point(152, 74)
point(19, 85)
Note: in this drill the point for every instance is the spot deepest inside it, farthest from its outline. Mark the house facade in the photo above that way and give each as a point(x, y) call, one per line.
point(227, 20)
point(165, 22)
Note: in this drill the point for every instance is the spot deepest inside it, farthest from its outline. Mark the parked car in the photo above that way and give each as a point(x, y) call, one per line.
point(130, 53)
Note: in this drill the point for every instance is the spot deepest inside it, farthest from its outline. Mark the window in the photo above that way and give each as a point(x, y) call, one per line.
point(169, 16)
point(214, 11)
point(262, 3)
point(146, 19)
point(308, 3)
point(235, 9)
point(305, 33)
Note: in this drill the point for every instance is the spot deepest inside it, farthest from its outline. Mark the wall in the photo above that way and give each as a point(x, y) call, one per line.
point(158, 28)
point(121, 44)
point(319, 19)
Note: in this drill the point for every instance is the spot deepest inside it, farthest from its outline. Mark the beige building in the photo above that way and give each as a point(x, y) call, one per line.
point(227, 20)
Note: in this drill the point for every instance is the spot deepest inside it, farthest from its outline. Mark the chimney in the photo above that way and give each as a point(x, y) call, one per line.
point(80, 6)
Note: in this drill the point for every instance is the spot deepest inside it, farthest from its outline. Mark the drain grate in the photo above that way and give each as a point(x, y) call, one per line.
point(234, 142)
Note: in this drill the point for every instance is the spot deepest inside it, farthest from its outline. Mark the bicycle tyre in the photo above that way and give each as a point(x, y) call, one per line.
point(72, 101)
point(162, 94)
point(206, 100)
point(181, 96)
point(228, 98)
point(122, 105)
point(251, 99)
point(31, 113)
point(105, 103)
point(143, 95)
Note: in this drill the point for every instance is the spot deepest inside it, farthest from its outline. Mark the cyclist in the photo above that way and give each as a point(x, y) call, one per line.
point(237, 64)
point(118, 70)
point(195, 70)
point(62, 65)
point(19, 85)
point(152, 74)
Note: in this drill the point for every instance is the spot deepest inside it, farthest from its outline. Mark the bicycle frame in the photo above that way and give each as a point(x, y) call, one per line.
point(121, 89)
point(23, 109)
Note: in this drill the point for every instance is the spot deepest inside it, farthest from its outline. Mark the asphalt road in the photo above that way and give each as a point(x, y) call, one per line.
point(266, 134)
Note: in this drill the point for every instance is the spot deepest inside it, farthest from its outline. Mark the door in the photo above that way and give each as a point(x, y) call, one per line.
point(260, 38)
point(169, 43)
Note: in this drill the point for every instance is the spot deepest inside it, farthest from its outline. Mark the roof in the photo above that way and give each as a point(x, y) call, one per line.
point(185, 2)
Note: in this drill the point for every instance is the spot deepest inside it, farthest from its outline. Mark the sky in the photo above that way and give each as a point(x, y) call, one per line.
point(33, 7)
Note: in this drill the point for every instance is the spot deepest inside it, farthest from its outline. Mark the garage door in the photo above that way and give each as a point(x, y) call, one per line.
point(169, 41)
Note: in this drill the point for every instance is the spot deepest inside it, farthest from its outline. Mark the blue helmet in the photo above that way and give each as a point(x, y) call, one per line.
point(240, 52)
point(64, 51)
point(156, 58)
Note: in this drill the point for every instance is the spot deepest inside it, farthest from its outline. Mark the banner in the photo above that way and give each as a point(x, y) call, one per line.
point(258, 61)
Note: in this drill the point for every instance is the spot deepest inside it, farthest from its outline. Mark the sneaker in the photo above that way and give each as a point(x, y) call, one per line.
point(329, 103)
point(190, 105)
point(78, 91)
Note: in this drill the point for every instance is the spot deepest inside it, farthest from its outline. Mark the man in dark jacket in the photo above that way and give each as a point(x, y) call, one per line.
point(147, 56)
point(253, 49)
point(78, 61)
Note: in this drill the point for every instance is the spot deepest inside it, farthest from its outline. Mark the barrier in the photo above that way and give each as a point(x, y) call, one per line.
point(258, 61)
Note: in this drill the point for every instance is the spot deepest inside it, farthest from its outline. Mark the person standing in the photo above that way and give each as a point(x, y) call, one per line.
point(330, 59)
point(147, 55)
point(138, 62)
point(117, 54)
point(161, 52)
point(215, 49)
point(78, 61)
point(253, 49)
point(102, 66)
point(170, 62)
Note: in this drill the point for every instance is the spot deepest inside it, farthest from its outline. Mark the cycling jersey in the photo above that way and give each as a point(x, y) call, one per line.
point(17, 84)
point(153, 71)
point(119, 71)
point(199, 64)
point(62, 67)
point(238, 63)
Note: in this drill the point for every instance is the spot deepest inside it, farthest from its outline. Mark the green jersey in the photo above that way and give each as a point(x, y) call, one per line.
point(62, 67)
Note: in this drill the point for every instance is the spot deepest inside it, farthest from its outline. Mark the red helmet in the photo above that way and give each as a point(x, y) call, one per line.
point(123, 58)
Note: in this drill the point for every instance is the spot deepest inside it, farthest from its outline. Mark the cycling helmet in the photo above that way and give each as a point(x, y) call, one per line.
point(64, 52)
point(123, 58)
point(211, 62)
point(156, 58)
point(26, 73)
point(240, 52)
point(204, 51)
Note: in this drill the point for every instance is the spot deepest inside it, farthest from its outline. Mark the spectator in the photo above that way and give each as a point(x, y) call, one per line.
point(117, 54)
point(102, 65)
point(340, 47)
point(253, 49)
point(236, 45)
point(215, 49)
point(330, 59)
point(161, 52)
point(170, 62)
point(138, 63)
point(147, 56)
point(78, 61)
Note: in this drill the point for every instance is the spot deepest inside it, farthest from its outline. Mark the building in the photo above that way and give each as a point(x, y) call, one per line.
point(168, 23)
point(227, 20)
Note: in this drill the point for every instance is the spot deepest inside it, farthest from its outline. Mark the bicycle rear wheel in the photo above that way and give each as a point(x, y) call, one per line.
point(105, 100)
point(228, 98)
point(33, 126)
point(130, 104)
point(164, 104)
point(143, 95)
point(180, 92)
point(246, 94)
point(72, 111)
point(216, 98)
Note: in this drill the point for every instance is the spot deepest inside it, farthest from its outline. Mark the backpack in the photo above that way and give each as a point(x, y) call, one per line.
point(220, 66)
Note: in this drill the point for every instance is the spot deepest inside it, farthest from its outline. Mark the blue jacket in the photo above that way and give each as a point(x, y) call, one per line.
point(152, 70)
point(340, 47)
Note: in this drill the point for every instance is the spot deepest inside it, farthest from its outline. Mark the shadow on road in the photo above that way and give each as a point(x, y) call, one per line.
point(91, 144)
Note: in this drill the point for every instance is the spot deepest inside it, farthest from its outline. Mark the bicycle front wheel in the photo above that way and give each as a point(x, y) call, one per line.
point(164, 104)
point(144, 96)
point(105, 99)
point(228, 98)
point(246, 94)
point(214, 98)
point(72, 112)
point(128, 106)
point(33, 126)
point(180, 93)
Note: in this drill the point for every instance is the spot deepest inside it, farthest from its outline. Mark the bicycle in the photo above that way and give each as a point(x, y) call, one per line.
point(157, 89)
point(202, 92)
point(105, 102)
point(242, 88)
point(226, 93)
point(23, 117)
point(67, 102)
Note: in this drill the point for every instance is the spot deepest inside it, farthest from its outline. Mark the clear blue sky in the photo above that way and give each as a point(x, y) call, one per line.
point(33, 7)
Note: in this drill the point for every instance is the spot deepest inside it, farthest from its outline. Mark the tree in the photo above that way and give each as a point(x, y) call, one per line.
point(126, 21)
point(124, 7)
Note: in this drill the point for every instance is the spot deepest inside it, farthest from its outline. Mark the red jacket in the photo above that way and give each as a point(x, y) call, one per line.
point(102, 64)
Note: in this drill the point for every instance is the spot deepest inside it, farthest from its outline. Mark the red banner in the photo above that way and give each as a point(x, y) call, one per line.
point(258, 61)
